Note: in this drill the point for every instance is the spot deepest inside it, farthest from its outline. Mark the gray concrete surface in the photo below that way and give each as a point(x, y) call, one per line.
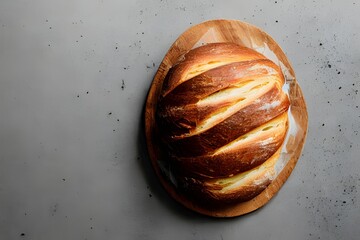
point(73, 80)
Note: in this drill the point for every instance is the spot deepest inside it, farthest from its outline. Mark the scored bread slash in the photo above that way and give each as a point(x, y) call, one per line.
point(225, 119)
point(244, 153)
point(241, 187)
point(204, 58)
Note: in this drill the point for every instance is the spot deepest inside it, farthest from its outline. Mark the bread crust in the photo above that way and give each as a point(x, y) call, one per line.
point(241, 122)
point(256, 177)
point(249, 153)
point(221, 115)
point(215, 54)
point(214, 192)
point(179, 113)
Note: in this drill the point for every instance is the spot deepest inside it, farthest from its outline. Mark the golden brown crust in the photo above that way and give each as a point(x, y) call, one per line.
point(179, 113)
point(215, 54)
point(219, 78)
point(249, 151)
point(222, 117)
point(241, 187)
point(241, 122)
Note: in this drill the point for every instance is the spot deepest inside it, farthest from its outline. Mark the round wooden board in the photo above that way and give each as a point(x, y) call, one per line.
point(249, 36)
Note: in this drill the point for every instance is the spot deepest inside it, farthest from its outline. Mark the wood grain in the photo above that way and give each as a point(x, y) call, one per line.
point(249, 36)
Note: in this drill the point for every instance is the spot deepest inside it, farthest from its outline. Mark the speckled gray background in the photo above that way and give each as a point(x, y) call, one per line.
point(73, 80)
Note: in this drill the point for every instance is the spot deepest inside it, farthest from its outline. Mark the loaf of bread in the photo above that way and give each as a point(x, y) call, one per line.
point(222, 119)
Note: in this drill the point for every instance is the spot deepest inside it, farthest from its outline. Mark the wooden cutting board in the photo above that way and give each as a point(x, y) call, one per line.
point(249, 36)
